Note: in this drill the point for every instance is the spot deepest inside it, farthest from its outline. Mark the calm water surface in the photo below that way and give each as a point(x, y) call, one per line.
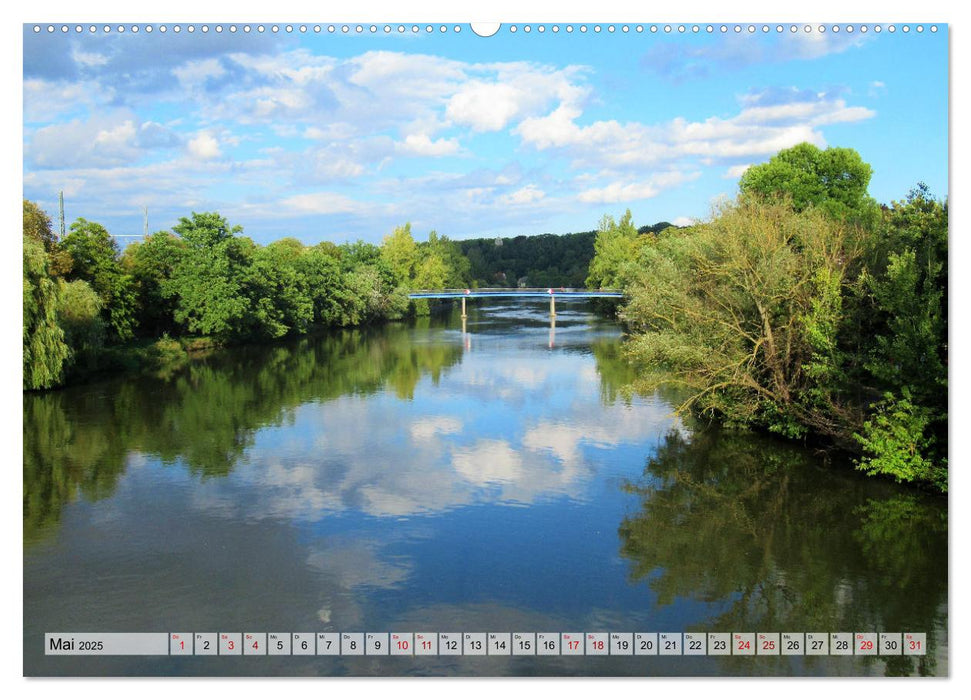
point(419, 477)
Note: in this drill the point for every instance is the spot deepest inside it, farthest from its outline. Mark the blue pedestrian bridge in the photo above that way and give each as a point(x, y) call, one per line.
point(544, 292)
point(551, 293)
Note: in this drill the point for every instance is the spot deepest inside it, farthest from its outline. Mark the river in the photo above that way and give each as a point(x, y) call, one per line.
point(421, 477)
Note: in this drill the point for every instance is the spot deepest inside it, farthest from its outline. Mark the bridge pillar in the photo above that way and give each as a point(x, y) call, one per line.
point(463, 308)
point(552, 305)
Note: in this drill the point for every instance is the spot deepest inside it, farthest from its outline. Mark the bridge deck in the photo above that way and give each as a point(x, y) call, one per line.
point(517, 293)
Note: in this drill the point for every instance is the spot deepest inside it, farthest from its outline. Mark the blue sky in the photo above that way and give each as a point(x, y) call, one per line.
point(340, 137)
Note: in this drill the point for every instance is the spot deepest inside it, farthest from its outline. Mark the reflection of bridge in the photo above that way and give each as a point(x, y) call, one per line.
point(502, 293)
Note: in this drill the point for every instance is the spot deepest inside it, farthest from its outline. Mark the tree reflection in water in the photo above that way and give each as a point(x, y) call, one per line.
point(776, 542)
point(77, 441)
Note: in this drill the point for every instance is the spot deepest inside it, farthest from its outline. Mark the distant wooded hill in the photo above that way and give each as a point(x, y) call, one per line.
point(544, 260)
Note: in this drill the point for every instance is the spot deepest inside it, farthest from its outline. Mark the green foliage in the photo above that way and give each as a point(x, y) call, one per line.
point(614, 251)
point(909, 291)
point(320, 269)
point(207, 280)
point(358, 253)
point(544, 260)
point(897, 440)
point(37, 225)
point(796, 305)
point(431, 273)
point(400, 252)
point(45, 353)
point(79, 314)
point(92, 249)
point(370, 297)
point(151, 263)
point(904, 343)
point(94, 259)
point(458, 269)
point(835, 179)
point(208, 284)
point(744, 311)
point(205, 230)
point(280, 299)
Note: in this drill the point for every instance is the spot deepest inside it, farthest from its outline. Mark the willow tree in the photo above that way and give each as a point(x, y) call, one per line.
point(744, 312)
point(44, 351)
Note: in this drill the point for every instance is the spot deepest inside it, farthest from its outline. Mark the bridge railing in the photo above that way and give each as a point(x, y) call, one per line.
point(517, 290)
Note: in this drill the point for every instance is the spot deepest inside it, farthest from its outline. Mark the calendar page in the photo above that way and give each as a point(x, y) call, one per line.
point(423, 348)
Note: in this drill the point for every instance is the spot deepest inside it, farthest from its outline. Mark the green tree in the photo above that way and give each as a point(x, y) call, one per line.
point(744, 312)
point(208, 284)
point(208, 281)
point(320, 267)
point(280, 302)
point(614, 251)
point(79, 314)
point(909, 288)
point(370, 298)
point(44, 351)
point(458, 268)
point(431, 273)
point(94, 256)
point(205, 230)
point(37, 225)
point(359, 253)
point(835, 179)
point(906, 342)
point(151, 264)
point(400, 252)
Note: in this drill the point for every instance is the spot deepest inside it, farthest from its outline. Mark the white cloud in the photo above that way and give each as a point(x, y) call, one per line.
point(45, 100)
point(737, 170)
point(684, 221)
point(422, 145)
point(555, 129)
point(623, 191)
point(116, 137)
point(337, 168)
point(524, 195)
point(192, 74)
point(329, 132)
point(204, 146)
point(389, 72)
point(810, 45)
point(619, 192)
point(335, 121)
point(756, 131)
point(484, 106)
point(684, 61)
point(823, 111)
point(320, 203)
point(88, 59)
point(104, 141)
